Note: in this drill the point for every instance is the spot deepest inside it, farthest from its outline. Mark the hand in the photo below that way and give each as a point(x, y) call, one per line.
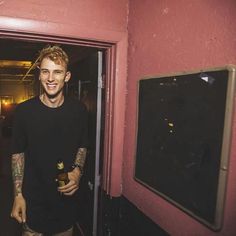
point(73, 185)
point(19, 209)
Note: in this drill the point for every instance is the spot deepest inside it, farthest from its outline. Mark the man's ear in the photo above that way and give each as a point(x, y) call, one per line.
point(38, 67)
point(68, 76)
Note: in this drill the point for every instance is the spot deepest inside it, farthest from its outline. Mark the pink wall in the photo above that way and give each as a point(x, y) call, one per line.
point(87, 14)
point(164, 36)
point(168, 36)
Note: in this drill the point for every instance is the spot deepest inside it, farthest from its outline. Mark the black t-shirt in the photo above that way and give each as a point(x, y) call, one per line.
point(45, 135)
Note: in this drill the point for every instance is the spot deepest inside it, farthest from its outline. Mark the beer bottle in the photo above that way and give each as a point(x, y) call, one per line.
point(62, 175)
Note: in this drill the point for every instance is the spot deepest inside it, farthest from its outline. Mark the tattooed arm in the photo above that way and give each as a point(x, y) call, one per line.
point(19, 205)
point(18, 163)
point(80, 159)
point(75, 175)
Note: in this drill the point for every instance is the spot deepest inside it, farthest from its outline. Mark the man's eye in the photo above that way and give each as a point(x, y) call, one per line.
point(44, 72)
point(58, 72)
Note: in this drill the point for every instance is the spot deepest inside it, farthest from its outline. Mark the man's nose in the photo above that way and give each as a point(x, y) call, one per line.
point(50, 77)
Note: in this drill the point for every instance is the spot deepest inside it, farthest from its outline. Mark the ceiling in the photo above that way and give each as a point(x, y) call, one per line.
point(17, 58)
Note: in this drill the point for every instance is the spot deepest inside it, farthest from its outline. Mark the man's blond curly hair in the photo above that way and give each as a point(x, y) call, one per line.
point(54, 53)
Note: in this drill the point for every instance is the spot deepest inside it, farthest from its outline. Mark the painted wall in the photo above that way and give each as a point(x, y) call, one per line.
point(168, 36)
point(164, 36)
point(87, 14)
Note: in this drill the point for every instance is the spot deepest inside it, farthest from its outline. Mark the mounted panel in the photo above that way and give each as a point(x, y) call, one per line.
point(183, 139)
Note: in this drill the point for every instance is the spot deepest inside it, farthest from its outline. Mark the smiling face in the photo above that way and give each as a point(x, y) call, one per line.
point(53, 77)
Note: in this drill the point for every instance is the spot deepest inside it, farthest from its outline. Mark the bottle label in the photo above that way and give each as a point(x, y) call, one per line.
point(61, 183)
point(60, 165)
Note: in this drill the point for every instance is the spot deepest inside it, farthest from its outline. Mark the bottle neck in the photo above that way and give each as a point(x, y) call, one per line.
point(60, 171)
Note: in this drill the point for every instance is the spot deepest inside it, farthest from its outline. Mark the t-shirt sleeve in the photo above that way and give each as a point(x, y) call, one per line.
point(18, 134)
point(83, 142)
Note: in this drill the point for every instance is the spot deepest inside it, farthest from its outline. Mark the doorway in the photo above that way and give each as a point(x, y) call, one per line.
point(18, 82)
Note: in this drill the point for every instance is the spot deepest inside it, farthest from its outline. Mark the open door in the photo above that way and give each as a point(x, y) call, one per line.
point(90, 92)
point(86, 84)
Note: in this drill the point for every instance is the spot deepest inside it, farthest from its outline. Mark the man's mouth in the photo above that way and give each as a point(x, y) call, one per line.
point(51, 86)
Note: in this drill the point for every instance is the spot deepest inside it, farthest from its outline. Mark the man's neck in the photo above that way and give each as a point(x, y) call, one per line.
point(52, 102)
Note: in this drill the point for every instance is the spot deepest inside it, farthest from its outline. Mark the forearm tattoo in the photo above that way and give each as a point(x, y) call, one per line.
point(18, 163)
point(81, 157)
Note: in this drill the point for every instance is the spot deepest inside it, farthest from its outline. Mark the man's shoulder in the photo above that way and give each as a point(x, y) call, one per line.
point(27, 104)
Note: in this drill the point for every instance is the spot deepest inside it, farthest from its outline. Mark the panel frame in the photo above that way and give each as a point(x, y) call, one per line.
point(225, 150)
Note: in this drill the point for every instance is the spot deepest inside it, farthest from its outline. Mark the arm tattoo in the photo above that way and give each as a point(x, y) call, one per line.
point(81, 157)
point(18, 163)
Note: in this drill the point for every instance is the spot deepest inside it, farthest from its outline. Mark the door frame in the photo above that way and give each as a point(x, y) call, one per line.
point(115, 45)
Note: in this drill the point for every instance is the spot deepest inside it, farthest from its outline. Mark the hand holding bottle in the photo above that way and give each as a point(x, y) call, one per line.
point(73, 185)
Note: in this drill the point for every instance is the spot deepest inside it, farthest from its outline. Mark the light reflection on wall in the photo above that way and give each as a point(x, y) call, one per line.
point(19, 91)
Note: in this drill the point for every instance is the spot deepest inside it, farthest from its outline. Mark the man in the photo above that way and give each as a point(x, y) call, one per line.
point(47, 128)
